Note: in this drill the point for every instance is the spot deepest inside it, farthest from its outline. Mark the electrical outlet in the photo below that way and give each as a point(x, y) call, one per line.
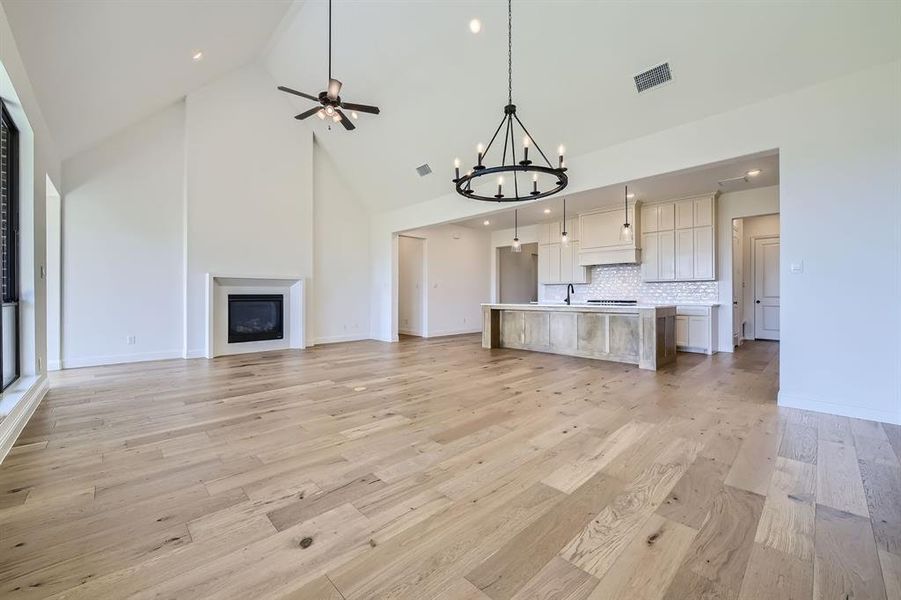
point(130, 340)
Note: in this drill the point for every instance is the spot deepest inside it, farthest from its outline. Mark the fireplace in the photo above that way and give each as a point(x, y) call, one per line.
point(255, 317)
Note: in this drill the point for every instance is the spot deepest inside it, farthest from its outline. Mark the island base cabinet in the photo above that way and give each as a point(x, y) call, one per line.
point(647, 338)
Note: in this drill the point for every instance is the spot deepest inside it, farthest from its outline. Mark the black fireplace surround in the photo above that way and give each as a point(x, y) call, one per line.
point(255, 317)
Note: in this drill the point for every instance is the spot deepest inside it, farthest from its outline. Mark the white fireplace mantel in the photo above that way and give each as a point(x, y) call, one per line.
point(218, 286)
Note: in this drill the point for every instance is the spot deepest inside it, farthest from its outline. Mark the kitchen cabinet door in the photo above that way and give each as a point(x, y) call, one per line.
point(666, 216)
point(703, 253)
point(666, 255)
point(649, 218)
point(697, 333)
point(703, 212)
point(570, 270)
point(684, 216)
point(681, 331)
point(685, 254)
point(549, 268)
point(650, 268)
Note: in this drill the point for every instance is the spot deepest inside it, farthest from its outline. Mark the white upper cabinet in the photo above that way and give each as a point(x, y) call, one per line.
point(558, 263)
point(678, 240)
point(600, 242)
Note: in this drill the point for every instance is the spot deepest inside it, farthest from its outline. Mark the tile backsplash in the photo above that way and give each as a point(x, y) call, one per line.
point(623, 282)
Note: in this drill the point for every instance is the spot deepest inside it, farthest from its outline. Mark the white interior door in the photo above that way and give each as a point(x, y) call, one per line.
point(737, 279)
point(766, 288)
point(411, 264)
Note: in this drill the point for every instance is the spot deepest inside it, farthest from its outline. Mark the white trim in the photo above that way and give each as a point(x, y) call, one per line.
point(194, 354)
point(116, 359)
point(447, 332)
point(13, 424)
point(54, 365)
point(334, 339)
point(845, 410)
point(412, 332)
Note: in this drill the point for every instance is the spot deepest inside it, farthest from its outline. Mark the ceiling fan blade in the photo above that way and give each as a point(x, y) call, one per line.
point(308, 113)
point(373, 110)
point(296, 93)
point(345, 121)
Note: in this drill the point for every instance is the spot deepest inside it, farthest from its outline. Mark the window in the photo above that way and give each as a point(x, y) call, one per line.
point(9, 248)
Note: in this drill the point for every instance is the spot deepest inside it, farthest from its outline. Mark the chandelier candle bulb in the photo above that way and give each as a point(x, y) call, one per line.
point(525, 150)
point(456, 169)
point(560, 152)
point(480, 149)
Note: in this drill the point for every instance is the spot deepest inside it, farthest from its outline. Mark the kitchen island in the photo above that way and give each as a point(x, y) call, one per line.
point(643, 335)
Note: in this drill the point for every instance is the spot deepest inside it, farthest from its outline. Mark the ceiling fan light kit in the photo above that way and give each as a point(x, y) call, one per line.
point(330, 98)
point(509, 123)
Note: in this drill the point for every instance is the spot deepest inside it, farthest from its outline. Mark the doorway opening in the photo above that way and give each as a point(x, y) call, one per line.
point(411, 286)
point(755, 278)
point(517, 274)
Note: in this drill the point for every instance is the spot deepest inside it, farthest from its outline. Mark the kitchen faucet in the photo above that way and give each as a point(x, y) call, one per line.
point(569, 289)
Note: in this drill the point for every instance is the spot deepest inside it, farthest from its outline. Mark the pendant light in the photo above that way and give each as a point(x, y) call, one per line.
point(626, 234)
point(564, 237)
point(517, 247)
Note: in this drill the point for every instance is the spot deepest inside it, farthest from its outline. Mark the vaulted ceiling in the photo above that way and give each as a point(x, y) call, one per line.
point(99, 65)
point(442, 89)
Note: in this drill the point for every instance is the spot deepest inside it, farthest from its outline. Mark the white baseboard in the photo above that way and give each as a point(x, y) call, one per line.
point(446, 332)
point(834, 408)
point(195, 354)
point(54, 365)
point(334, 339)
point(116, 359)
point(18, 417)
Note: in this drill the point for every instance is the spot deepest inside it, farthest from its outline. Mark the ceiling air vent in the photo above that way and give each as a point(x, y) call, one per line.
point(653, 77)
point(424, 170)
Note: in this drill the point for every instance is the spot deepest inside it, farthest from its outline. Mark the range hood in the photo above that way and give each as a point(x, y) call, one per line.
point(601, 243)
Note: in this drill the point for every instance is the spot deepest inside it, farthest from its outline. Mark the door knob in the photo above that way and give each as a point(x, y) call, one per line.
point(735, 302)
point(757, 301)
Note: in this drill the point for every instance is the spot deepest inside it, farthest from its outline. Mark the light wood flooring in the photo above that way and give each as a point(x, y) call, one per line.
point(434, 469)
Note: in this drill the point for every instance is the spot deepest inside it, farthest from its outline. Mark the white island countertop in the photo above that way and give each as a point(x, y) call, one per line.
point(582, 307)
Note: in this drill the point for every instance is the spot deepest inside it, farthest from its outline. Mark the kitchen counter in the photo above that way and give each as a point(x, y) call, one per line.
point(642, 334)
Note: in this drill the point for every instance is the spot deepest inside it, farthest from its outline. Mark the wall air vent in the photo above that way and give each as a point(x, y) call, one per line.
point(653, 77)
point(424, 170)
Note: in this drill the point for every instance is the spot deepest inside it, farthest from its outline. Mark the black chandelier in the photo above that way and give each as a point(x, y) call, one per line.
point(511, 120)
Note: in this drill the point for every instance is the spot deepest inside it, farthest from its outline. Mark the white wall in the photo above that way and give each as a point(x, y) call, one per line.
point(734, 205)
point(341, 270)
point(122, 246)
point(838, 147)
point(54, 278)
point(249, 184)
point(457, 278)
point(753, 227)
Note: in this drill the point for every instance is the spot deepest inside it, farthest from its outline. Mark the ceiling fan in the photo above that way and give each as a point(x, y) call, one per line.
point(330, 100)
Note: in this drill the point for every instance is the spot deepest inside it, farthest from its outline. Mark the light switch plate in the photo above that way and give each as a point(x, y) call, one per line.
point(797, 267)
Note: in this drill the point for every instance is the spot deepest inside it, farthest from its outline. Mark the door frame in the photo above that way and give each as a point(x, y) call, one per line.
point(753, 249)
point(423, 293)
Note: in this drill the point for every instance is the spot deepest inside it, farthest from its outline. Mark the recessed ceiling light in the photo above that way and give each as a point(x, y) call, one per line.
point(547, 211)
point(475, 26)
point(197, 56)
point(486, 223)
point(630, 196)
point(753, 173)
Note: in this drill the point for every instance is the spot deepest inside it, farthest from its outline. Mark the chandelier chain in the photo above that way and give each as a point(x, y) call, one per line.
point(509, 51)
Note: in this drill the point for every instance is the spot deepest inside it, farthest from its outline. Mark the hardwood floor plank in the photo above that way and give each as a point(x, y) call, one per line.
point(650, 562)
point(789, 513)
point(882, 486)
point(722, 548)
point(774, 575)
point(690, 500)
point(558, 580)
point(508, 569)
point(846, 564)
point(891, 574)
point(799, 442)
point(838, 479)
